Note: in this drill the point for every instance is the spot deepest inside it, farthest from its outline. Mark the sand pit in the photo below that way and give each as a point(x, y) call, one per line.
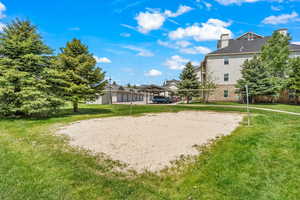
point(151, 141)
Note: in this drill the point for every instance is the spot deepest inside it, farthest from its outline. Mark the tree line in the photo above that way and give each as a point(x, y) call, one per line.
point(272, 73)
point(35, 82)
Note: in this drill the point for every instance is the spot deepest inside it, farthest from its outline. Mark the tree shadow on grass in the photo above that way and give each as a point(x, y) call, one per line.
point(83, 111)
point(62, 113)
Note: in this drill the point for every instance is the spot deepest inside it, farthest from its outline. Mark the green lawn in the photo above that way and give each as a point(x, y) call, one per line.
point(283, 107)
point(260, 162)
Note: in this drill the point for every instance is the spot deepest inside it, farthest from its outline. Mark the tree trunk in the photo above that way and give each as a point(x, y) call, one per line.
point(187, 99)
point(203, 97)
point(75, 106)
point(207, 98)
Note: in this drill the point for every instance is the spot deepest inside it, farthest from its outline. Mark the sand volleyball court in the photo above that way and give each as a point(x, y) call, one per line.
point(151, 141)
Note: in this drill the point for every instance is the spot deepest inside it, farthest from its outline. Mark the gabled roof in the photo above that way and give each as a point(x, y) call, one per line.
point(248, 35)
point(151, 87)
point(172, 81)
point(247, 46)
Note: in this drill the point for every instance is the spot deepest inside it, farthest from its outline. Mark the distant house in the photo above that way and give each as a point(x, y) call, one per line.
point(171, 85)
point(224, 65)
point(119, 94)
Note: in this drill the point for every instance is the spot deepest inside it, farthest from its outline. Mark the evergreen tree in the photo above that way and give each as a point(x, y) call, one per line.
point(24, 65)
point(258, 79)
point(189, 83)
point(85, 80)
point(294, 77)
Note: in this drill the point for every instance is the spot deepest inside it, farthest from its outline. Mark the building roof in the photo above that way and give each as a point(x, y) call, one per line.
point(247, 46)
point(249, 35)
point(151, 87)
point(170, 82)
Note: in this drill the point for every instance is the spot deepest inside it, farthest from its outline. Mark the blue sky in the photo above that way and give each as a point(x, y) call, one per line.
point(148, 41)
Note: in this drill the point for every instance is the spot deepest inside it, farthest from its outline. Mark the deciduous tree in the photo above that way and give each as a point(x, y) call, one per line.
point(275, 55)
point(259, 80)
point(294, 77)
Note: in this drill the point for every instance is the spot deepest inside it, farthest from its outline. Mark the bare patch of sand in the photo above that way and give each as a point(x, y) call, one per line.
point(151, 141)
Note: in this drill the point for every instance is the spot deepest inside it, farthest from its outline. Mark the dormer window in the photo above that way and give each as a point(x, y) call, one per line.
point(226, 61)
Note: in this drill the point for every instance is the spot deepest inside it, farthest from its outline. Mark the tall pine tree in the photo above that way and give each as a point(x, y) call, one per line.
point(189, 84)
point(24, 63)
point(85, 80)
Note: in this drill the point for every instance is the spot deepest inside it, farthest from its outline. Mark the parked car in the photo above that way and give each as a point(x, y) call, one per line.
point(161, 99)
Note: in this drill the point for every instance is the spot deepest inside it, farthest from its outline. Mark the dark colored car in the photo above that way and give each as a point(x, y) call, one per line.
point(161, 99)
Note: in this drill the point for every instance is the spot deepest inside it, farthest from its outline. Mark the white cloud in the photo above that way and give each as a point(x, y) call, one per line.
point(102, 59)
point(281, 19)
point(153, 19)
point(298, 43)
point(185, 47)
point(129, 27)
point(275, 8)
point(153, 72)
point(183, 43)
point(181, 10)
point(141, 51)
point(211, 30)
point(196, 64)
point(176, 45)
point(149, 21)
point(208, 5)
point(176, 62)
point(239, 2)
point(228, 2)
point(2, 10)
point(196, 50)
point(165, 44)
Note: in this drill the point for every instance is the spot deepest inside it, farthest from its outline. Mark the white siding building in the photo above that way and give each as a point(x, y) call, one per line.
point(224, 65)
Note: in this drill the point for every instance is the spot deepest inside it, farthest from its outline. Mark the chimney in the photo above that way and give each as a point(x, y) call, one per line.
point(224, 41)
point(283, 31)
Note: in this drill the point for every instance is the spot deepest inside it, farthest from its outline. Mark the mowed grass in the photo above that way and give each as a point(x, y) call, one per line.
point(283, 107)
point(258, 162)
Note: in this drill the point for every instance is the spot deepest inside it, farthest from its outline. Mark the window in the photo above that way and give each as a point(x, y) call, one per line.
point(226, 77)
point(226, 61)
point(226, 93)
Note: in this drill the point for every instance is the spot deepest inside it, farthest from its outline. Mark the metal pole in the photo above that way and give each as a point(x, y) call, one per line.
point(247, 93)
point(110, 95)
point(131, 103)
